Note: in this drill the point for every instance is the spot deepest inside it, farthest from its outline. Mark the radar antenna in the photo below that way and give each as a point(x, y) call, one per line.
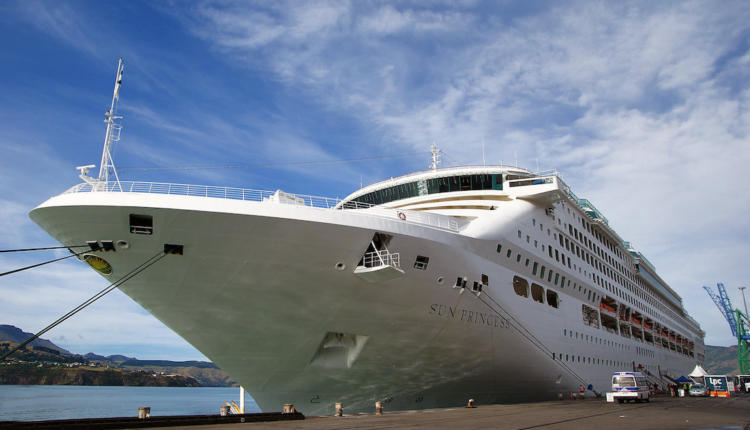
point(435, 157)
point(114, 127)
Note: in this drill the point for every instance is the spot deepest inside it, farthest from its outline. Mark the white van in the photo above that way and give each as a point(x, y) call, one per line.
point(630, 386)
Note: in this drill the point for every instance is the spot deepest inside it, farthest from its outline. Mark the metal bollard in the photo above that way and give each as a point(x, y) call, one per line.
point(288, 408)
point(144, 412)
point(378, 408)
point(224, 411)
point(339, 409)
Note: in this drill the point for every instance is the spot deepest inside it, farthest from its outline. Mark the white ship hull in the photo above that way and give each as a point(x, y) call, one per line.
point(261, 287)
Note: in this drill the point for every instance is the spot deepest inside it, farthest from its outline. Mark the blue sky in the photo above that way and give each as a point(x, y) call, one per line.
point(644, 107)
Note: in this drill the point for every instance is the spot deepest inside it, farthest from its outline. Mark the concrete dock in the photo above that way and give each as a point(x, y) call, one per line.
point(660, 413)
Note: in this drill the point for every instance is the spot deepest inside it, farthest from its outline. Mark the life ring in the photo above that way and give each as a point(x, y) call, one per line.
point(402, 216)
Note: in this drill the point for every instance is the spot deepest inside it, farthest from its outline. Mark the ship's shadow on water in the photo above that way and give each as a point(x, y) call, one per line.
point(48, 402)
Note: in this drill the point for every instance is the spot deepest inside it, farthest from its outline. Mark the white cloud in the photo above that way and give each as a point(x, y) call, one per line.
point(60, 21)
point(388, 20)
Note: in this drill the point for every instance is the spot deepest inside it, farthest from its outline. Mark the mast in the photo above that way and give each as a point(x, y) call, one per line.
point(435, 157)
point(113, 129)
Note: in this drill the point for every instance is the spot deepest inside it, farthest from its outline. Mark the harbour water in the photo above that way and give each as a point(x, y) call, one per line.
point(48, 402)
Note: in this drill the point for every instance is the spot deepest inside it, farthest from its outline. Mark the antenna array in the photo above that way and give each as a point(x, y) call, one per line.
point(114, 127)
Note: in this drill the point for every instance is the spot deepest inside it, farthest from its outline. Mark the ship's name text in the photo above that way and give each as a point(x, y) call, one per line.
point(467, 316)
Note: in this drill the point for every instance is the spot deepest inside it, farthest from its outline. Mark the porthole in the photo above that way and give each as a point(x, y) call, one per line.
point(123, 244)
point(340, 266)
point(440, 280)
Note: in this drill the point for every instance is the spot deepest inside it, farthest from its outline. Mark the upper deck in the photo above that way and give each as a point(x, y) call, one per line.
point(445, 180)
point(472, 191)
point(261, 196)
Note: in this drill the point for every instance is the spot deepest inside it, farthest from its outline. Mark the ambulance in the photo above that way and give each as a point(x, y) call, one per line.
point(630, 386)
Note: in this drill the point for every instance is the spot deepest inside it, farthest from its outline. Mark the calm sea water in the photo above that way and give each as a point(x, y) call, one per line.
point(51, 402)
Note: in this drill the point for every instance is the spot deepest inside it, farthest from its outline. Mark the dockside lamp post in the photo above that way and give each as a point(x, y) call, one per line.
point(742, 290)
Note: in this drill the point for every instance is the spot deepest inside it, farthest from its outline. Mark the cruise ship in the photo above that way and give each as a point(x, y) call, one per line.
point(491, 283)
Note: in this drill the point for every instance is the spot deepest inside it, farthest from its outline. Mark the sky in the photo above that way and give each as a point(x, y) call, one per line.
point(643, 107)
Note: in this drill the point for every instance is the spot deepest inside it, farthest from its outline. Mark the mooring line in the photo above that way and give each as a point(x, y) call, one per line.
point(91, 300)
point(75, 254)
point(43, 249)
point(531, 338)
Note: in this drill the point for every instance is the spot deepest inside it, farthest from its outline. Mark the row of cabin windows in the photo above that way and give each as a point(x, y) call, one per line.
point(622, 277)
point(552, 277)
point(554, 253)
point(521, 287)
point(595, 339)
point(432, 186)
point(587, 360)
point(618, 273)
point(569, 245)
point(621, 274)
point(558, 256)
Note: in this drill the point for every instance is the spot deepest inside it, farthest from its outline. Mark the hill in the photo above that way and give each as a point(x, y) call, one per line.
point(47, 356)
point(16, 335)
point(35, 374)
point(722, 360)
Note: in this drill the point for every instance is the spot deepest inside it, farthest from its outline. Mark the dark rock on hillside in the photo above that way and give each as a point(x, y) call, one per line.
point(16, 335)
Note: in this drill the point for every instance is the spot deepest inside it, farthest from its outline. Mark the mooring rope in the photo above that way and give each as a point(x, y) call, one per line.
point(530, 337)
point(42, 249)
point(75, 254)
point(91, 300)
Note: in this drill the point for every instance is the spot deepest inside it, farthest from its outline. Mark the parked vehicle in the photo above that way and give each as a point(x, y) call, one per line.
point(698, 390)
point(630, 386)
point(744, 383)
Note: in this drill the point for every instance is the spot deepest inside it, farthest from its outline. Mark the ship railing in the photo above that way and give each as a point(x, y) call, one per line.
point(381, 258)
point(278, 196)
point(204, 191)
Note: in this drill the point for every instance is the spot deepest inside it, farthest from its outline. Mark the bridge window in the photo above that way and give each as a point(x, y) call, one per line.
point(455, 183)
point(432, 186)
point(465, 183)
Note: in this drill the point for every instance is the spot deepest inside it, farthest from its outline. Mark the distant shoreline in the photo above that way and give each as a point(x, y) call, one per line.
point(44, 363)
point(40, 374)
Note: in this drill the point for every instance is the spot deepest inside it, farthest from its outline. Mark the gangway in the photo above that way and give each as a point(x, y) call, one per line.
point(655, 379)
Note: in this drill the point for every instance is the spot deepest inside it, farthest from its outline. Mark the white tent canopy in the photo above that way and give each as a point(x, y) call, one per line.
point(698, 372)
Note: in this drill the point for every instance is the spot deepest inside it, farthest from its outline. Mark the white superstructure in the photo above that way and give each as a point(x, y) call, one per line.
point(426, 290)
point(491, 283)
